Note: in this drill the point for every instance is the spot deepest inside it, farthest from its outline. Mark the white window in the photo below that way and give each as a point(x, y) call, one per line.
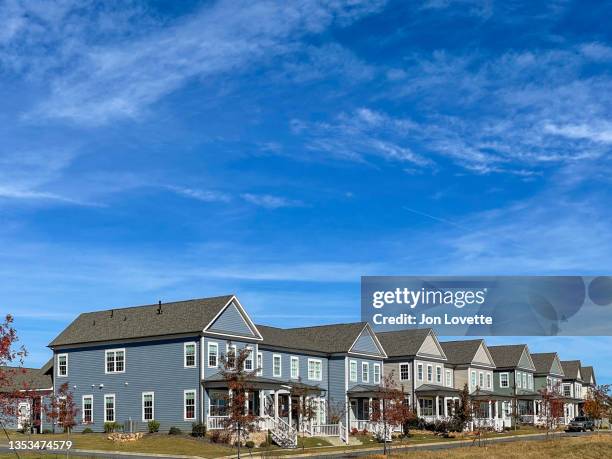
point(518, 380)
point(420, 372)
point(148, 406)
point(449, 378)
point(567, 390)
point(190, 405)
point(295, 367)
point(481, 380)
point(488, 380)
point(259, 364)
point(439, 374)
point(109, 408)
point(503, 380)
point(353, 371)
point(189, 355)
point(87, 409)
point(524, 380)
point(473, 379)
point(62, 365)
point(115, 361)
point(404, 371)
point(248, 361)
point(276, 366)
point(376, 373)
point(429, 373)
point(365, 372)
point(530, 381)
point(231, 353)
point(213, 355)
point(315, 369)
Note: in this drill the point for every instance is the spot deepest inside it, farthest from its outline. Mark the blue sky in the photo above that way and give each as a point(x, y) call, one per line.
point(171, 150)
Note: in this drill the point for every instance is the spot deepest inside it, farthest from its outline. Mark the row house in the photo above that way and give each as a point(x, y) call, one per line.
point(164, 362)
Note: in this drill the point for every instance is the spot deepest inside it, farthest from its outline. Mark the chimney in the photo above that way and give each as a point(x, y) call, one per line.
point(159, 308)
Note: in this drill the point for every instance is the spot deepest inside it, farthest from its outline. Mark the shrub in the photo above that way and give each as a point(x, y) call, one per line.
point(175, 431)
point(87, 430)
point(219, 436)
point(354, 431)
point(198, 430)
point(110, 427)
point(153, 426)
point(47, 431)
point(263, 444)
point(250, 444)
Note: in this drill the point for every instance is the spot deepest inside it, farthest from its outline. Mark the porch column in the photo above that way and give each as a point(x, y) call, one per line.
point(445, 407)
point(369, 407)
point(262, 401)
point(534, 412)
point(289, 407)
point(418, 406)
point(437, 406)
point(246, 402)
point(490, 410)
point(275, 404)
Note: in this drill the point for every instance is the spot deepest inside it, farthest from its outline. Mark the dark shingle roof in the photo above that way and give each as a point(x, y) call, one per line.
point(543, 361)
point(571, 368)
point(26, 379)
point(587, 374)
point(327, 339)
point(461, 352)
point(189, 316)
point(507, 356)
point(403, 342)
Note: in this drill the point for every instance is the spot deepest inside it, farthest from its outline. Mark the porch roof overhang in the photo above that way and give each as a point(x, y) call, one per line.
point(572, 400)
point(217, 381)
point(364, 390)
point(430, 389)
point(486, 395)
point(528, 396)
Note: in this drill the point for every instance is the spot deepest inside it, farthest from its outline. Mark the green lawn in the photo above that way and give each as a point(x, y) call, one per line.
point(186, 445)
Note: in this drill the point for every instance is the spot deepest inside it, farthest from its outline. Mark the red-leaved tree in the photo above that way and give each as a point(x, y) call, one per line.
point(62, 409)
point(11, 361)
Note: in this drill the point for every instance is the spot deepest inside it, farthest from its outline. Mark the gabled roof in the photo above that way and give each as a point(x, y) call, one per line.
point(571, 368)
point(407, 343)
point(464, 352)
point(510, 356)
point(327, 339)
point(588, 375)
point(545, 362)
point(27, 379)
point(180, 317)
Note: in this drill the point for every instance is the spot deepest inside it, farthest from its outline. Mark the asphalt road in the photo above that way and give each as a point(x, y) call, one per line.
point(450, 445)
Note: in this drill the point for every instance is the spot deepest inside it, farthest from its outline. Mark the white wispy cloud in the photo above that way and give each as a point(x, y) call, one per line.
point(201, 195)
point(98, 82)
point(270, 201)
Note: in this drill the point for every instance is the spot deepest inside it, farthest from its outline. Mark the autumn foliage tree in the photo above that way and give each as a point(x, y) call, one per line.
point(551, 408)
point(62, 409)
point(598, 403)
point(11, 361)
point(306, 409)
point(239, 422)
point(389, 409)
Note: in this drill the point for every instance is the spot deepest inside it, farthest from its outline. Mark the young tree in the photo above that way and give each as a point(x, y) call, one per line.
point(239, 422)
point(62, 409)
point(463, 413)
point(306, 409)
point(389, 408)
point(597, 404)
point(551, 408)
point(11, 361)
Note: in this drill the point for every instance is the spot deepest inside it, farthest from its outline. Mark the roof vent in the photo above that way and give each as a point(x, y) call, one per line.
point(159, 308)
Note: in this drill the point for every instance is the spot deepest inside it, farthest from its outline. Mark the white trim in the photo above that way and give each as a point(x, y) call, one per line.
point(448, 371)
point(420, 366)
point(375, 339)
point(438, 345)
point(441, 382)
point(195, 354)
point(320, 362)
point(294, 358)
point(114, 407)
point(280, 359)
point(351, 362)
point(399, 371)
point(374, 378)
point(428, 379)
point(251, 357)
point(365, 366)
point(216, 344)
point(90, 396)
point(195, 405)
point(106, 352)
point(227, 350)
point(244, 315)
point(152, 406)
point(58, 365)
point(257, 366)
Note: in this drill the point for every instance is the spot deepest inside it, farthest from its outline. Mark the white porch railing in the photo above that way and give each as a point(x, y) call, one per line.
point(363, 424)
point(325, 430)
point(496, 424)
point(215, 422)
point(343, 433)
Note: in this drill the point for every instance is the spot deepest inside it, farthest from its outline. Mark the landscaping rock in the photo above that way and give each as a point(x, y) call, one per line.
point(125, 437)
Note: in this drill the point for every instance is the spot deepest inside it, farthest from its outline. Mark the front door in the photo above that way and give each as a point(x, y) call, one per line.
point(23, 415)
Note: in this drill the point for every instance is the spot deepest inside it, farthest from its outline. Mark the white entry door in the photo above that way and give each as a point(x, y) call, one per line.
point(23, 414)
